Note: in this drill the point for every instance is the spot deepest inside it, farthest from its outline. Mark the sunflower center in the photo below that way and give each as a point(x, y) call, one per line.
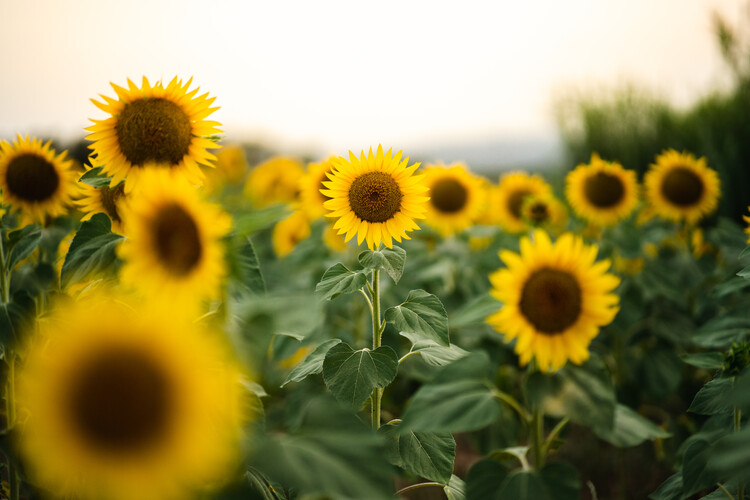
point(515, 202)
point(178, 243)
point(153, 129)
point(603, 190)
point(682, 186)
point(31, 177)
point(538, 212)
point(109, 198)
point(120, 401)
point(448, 196)
point(551, 300)
point(375, 197)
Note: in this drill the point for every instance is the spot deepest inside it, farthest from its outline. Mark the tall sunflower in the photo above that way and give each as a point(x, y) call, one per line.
point(123, 403)
point(35, 179)
point(507, 198)
point(154, 126)
point(555, 299)
point(173, 246)
point(602, 192)
point(681, 187)
point(377, 197)
point(275, 180)
point(457, 198)
point(311, 185)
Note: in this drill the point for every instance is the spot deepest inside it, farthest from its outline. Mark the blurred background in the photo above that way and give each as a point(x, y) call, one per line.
point(498, 85)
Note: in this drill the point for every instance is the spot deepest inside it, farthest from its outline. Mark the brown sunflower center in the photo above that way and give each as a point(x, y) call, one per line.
point(375, 197)
point(551, 300)
point(682, 186)
point(153, 129)
point(448, 195)
point(109, 197)
point(515, 202)
point(120, 401)
point(603, 190)
point(31, 177)
point(538, 212)
point(177, 240)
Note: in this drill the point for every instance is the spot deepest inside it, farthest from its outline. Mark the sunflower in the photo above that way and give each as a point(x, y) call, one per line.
point(544, 212)
point(122, 403)
point(36, 180)
point(289, 232)
point(310, 186)
point(275, 180)
point(555, 299)
point(456, 198)
point(376, 197)
point(173, 246)
point(602, 192)
point(747, 228)
point(154, 125)
point(334, 241)
point(508, 196)
point(681, 187)
point(104, 199)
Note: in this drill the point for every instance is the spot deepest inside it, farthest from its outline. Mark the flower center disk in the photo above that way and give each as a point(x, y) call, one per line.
point(551, 300)
point(109, 197)
point(120, 401)
point(375, 197)
point(682, 186)
point(448, 196)
point(31, 178)
point(153, 130)
point(538, 212)
point(603, 190)
point(177, 240)
point(515, 202)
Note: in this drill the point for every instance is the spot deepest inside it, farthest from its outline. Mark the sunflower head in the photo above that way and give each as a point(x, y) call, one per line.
point(682, 188)
point(173, 245)
point(154, 126)
point(507, 198)
point(310, 187)
point(376, 196)
point(289, 232)
point(104, 199)
point(602, 192)
point(275, 181)
point(544, 212)
point(125, 402)
point(35, 179)
point(555, 298)
point(457, 198)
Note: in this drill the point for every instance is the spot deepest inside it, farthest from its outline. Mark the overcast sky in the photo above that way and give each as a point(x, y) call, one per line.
point(337, 75)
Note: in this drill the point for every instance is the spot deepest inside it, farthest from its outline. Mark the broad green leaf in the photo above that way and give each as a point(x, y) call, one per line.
point(729, 456)
point(744, 272)
point(475, 311)
point(705, 360)
point(744, 253)
point(455, 489)
point(352, 375)
point(14, 317)
point(428, 454)
point(390, 432)
point(95, 178)
point(313, 363)
point(729, 287)
point(721, 331)
point(244, 267)
point(422, 316)
point(296, 322)
point(390, 260)
point(251, 221)
point(561, 480)
point(695, 475)
point(91, 252)
point(714, 397)
point(484, 480)
point(524, 485)
point(21, 243)
point(338, 279)
point(671, 489)
point(436, 355)
point(630, 429)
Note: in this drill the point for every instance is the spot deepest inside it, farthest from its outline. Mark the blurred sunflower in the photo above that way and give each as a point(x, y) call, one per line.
point(104, 199)
point(119, 403)
point(173, 246)
point(457, 198)
point(311, 185)
point(555, 299)
point(544, 212)
point(377, 197)
point(154, 126)
point(747, 228)
point(602, 192)
point(508, 196)
point(275, 180)
point(36, 180)
point(334, 241)
point(681, 187)
point(289, 232)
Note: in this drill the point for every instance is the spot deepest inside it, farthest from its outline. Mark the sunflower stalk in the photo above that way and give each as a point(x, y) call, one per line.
point(377, 334)
point(5, 277)
point(537, 433)
point(737, 428)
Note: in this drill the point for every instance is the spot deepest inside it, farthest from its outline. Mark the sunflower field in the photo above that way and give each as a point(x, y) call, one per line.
point(178, 322)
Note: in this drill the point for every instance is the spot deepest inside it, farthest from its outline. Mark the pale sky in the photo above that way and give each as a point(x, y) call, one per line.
point(338, 75)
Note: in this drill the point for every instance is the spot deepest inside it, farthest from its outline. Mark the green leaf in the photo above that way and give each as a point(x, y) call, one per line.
point(729, 456)
point(390, 432)
point(744, 253)
point(705, 360)
point(436, 355)
point(352, 375)
point(455, 489)
point(720, 332)
point(251, 221)
point(21, 243)
point(714, 397)
point(14, 318)
point(338, 279)
point(695, 475)
point(524, 485)
point(244, 267)
point(671, 489)
point(95, 178)
point(390, 260)
point(630, 429)
point(91, 252)
point(484, 480)
point(428, 454)
point(475, 311)
point(561, 481)
point(313, 363)
point(422, 316)
point(744, 272)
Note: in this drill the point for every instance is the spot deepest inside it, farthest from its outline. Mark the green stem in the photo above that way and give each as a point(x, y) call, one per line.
point(10, 413)
point(4, 274)
point(511, 401)
point(737, 427)
point(537, 431)
point(417, 486)
point(726, 491)
point(553, 435)
point(377, 334)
